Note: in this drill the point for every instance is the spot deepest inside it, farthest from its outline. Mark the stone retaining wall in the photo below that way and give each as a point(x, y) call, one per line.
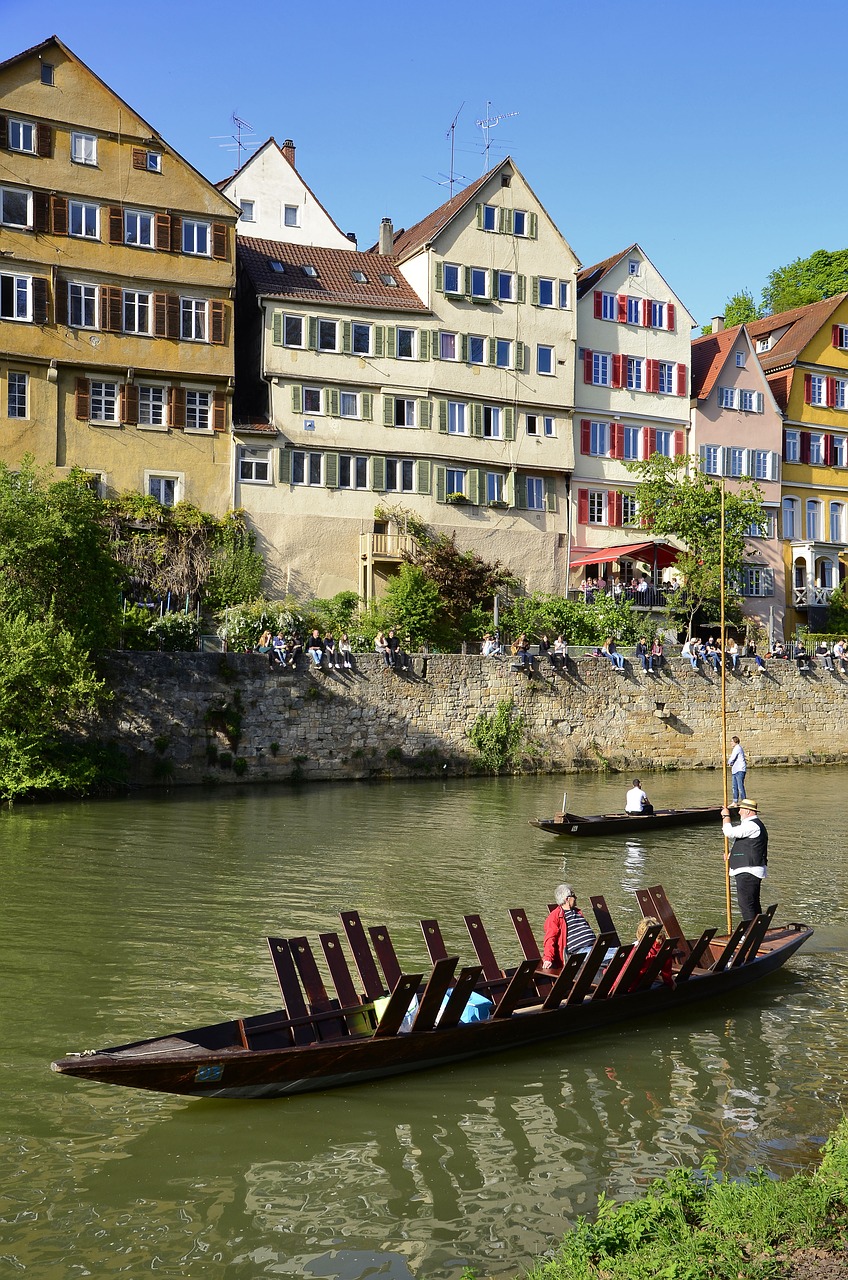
point(190, 718)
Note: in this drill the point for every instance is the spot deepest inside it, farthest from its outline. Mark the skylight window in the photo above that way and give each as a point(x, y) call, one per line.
point(310, 271)
point(360, 277)
point(277, 266)
point(389, 280)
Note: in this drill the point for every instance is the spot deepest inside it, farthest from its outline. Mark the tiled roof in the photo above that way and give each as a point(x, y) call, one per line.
point(590, 276)
point(408, 242)
point(801, 324)
point(254, 427)
point(708, 356)
point(334, 282)
point(781, 385)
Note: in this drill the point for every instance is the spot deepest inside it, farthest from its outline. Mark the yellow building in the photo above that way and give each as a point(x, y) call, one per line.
point(116, 281)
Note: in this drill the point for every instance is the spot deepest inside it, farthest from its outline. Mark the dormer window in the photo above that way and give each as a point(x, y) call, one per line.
point(388, 280)
point(309, 270)
point(763, 344)
point(277, 266)
point(360, 277)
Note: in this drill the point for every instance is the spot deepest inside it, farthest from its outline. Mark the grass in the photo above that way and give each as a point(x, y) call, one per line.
point(695, 1224)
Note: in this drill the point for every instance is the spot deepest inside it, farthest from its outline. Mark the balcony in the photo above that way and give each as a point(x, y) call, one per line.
point(811, 597)
point(385, 546)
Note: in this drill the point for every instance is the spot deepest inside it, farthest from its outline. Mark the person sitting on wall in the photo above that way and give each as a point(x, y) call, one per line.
point(278, 644)
point(657, 653)
point(521, 654)
point(644, 654)
point(636, 800)
point(690, 652)
point(824, 656)
point(560, 653)
point(315, 649)
point(381, 647)
point(490, 646)
point(609, 650)
point(566, 929)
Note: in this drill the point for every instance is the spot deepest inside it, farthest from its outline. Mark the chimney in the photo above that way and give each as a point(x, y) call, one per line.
point(387, 236)
point(351, 235)
point(717, 323)
point(288, 151)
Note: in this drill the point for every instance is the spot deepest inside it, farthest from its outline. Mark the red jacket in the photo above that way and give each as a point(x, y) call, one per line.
point(556, 936)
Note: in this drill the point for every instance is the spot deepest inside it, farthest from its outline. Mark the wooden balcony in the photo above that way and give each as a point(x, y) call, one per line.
point(385, 546)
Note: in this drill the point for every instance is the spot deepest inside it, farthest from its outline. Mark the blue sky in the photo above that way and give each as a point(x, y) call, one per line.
point(712, 134)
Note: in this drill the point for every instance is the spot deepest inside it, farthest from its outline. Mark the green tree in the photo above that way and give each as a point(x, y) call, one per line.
point(741, 308)
point(806, 280)
point(237, 568)
point(413, 605)
point(466, 583)
point(578, 621)
point(687, 505)
point(837, 613)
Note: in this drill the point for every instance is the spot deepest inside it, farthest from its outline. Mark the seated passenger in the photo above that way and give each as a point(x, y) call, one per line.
point(666, 972)
point(637, 801)
point(566, 929)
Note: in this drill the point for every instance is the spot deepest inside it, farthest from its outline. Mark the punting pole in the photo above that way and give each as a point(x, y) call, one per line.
point(724, 716)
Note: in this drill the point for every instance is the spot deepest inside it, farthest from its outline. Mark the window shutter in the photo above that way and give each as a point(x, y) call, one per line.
point(163, 232)
point(379, 340)
point(424, 344)
point(160, 315)
point(176, 233)
point(41, 212)
point(505, 221)
point(804, 446)
point(443, 416)
point(759, 402)
point(44, 140)
point(522, 288)
point(331, 470)
point(587, 366)
point(477, 419)
point(520, 491)
point(424, 468)
point(116, 225)
point(277, 328)
point(440, 277)
point(785, 450)
point(60, 302)
point(599, 304)
point(532, 225)
point(59, 210)
point(669, 315)
point(617, 439)
point(466, 271)
point(129, 404)
point(646, 313)
point(534, 290)
point(479, 210)
point(388, 411)
point(679, 444)
point(366, 404)
point(702, 456)
point(347, 334)
point(681, 379)
point(509, 422)
point(178, 407)
point(378, 473)
point(391, 341)
point(830, 392)
point(463, 348)
point(827, 450)
point(425, 414)
point(619, 371)
point(472, 481)
point(40, 300)
point(111, 318)
point(550, 494)
point(139, 156)
point(285, 466)
point(613, 507)
point(4, 136)
point(82, 400)
point(220, 241)
point(774, 466)
point(297, 398)
point(622, 308)
point(653, 375)
point(440, 482)
point(492, 350)
point(331, 400)
point(217, 322)
point(649, 442)
point(834, 333)
point(808, 388)
point(724, 461)
point(585, 435)
point(312, 333)
point(172, 315)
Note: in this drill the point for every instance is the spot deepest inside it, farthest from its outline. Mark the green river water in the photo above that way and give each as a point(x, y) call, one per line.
point(126, 919)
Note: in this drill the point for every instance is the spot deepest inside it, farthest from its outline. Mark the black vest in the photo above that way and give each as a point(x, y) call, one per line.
point(750, 851)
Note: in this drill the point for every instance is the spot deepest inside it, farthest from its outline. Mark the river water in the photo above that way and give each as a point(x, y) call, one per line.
point(132, 918)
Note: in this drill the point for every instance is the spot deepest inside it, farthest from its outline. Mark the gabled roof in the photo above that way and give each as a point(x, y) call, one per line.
point(334, 282)
point(272, 142)
point(709, 355)
point(408, 242)
point(590, 276)
point(801, 325)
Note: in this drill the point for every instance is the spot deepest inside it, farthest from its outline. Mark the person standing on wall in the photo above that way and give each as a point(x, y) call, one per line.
point(738, 769)
point(747, 860)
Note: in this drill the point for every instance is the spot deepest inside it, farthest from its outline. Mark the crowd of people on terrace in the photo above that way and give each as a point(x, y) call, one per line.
point(637, 590)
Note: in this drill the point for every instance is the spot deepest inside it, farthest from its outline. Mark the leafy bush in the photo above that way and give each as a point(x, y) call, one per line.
point(175, 632)
point(242, 625)
point(135, 628)
point(497, 738)
point(237, 567)
point(581, 622)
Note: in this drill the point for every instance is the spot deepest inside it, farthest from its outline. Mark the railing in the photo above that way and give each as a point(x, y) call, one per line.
point(649, 598)
point(386, 546)
point(803, 597)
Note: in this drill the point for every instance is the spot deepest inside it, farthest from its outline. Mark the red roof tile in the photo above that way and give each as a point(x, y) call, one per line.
point(590, 276)
point(334, 283)
point(801, 324)
point(781, 385)
point(708, 356)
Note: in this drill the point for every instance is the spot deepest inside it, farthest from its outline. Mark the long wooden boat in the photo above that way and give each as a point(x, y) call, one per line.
point(391, 1022)
point(601, 824)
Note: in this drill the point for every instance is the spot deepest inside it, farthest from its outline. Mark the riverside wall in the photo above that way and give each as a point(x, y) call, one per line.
point(188, 719)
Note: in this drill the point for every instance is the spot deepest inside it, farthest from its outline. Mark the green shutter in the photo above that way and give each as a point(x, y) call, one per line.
point(313, 333)
point(532, 226)
point(441, 483)
point(297, 398)
point(285, 466)
point(509, 422)
point(331, 400)
point(479, 217)
point(522, 288)
point(378, 473)
point(366, 406)
point(440, 277)
point(520, 491)
point(424, 344)
point(391, 340)
point(520, 356)
point(534, 290)
point(388, 411)
point(472, 489)
point(347, 330)
point(443, 416)
point(424, 468)
point(435, 345)
point(464, 348)
point(550, 494)
point(331, 470)
point(477, 419)
point(505, 221)
point(493, 350)
point(379, 339)
point(425, 415)
point(466, 271)
point(277, 329)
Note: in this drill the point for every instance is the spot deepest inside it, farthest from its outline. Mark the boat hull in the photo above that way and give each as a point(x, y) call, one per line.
point(573, 824)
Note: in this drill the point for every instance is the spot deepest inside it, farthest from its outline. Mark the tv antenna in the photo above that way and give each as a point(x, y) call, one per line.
point(451, 133)
point(236, 141)
point(487, 125)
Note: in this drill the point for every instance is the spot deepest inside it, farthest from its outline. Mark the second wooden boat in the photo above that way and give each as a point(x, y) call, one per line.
point(601, 824)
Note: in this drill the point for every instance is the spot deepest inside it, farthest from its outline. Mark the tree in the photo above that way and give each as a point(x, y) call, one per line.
point(806, 280)
point(465, 581)
point(237, 568)
point(413, 605)
point(674, 502)
point(741, 308)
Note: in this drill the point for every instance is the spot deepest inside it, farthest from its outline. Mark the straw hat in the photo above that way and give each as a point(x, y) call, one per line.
point(748, 804)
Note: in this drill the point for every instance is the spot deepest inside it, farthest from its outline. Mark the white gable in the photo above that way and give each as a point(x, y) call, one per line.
point(278, 205)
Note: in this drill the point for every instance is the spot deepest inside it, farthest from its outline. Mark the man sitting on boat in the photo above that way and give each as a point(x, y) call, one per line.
point(636, 800)
point(566, 929)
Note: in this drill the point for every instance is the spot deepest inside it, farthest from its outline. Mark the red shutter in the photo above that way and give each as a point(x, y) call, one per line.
point(670, 310)
point(808, 388)
point(617, 440)
point(622, 308)
point(613, 507)
point(679, 444)
point(129, 404)
point(582, 506)
point(116, 225)
point(217, 322)
point(177, 407)
point(220, 241)
point(60, 215)
point(652, 375)
point(835, 335)
point(804, 446)
point(41, 212)
point(830, 392)
point(828, 449)
point(646, 312)
point(650, 442)
point(587, 366)
point(44, 143)
point(585, 435)
point(616, 371)
point(681, 379)
point(176, 233)
point(219, 412)
point(82, 406)
point(163, 232)
point(599, 304)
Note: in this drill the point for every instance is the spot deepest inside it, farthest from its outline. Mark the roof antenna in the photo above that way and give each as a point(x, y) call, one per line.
point(237, 138)
point(452, 134)
point(487, 125)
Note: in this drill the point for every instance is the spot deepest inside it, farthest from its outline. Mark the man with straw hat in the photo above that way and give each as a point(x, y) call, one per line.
point(748, 856)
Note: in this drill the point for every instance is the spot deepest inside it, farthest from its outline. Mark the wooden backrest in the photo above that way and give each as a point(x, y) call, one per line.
point(626, 979)
point(516, 989)
point(433, 940)
point(564, 982)
point(604, 919)
point(612, 972)
point(290, 988)
point(590, 967)
point(654, 902)
point(525, 934)
point(435, 991)
point(725, 955)
point(399, 1001)
point(384, 948)
point(485, 954)
point(655, 966)
point(362, 956)
point(458, 998)
point(693, 960)
point(751, 942)
point(337, 964)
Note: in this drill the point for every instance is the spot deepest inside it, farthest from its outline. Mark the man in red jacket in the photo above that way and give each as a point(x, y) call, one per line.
point(566, 929)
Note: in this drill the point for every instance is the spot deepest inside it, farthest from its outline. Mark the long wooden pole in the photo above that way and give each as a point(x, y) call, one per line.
point(723, 643)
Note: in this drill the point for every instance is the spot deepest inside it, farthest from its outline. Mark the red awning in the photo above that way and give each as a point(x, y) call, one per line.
point(650, 552)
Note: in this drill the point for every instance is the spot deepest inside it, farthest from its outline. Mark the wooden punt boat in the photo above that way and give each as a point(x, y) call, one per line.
point(602, 824)
point(317, 1042)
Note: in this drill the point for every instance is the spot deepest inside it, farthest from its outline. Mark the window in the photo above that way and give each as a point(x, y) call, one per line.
point(361, 339)
point(601, 369)
point(634, 373)
point(348, 404)
point(359, 277)
point(163, 489)
point(307, 468)
point(816, 448)
point(388, 279)
point(710, 460)
point(506, 286)
point(597, 506)
point(533, 421)
point(748, 401)
point(840, 335)
point(813, 518)
point(818, 389)
point(532, 424)
point(838, 457)
point(196, 237)
point(456, 418)
point(609, 306)
point(21, 135)
point(193, 319)
point(16, 402)
point(276, 265)
point(740, 359)
point(632, 438)
point(328, 335)
point(535, 493)
point(476, 349)
point(658, 315)
point(494, 487)
point(726, 397)
point(404, 412)
point(400, 475)
point(406, 344)
point(454, 481)
point(665, 443)
point(151, 406)
point(546, 291)
point(840, 400)
point(790, 446)
point(633, 310)
point(291, 215)
point(312, 400)
point(15, 293)
point(490, 217)
point(136, 312)
point(138, 228)
point(248, 210)
point(737, 462)
point(757, 582)
point(629, 509)
point(293, 331)
point(83, 220)
point(254, 465)
point(790, 517)
point(451, 278)
point(15, 207)
point(633, 267)
point(491, 422)
point(519, 222)
point(353, 471)
point(198, 407)
point(104, 402)
point(84, 148)
point(550, 426)
point(479, 282)
point(836, 521)
point(563, 294)
point(544, 359)
point(153, 161)
point(760, 464)
point(599, 439)
point(448, 346)
point(47, 73)
point(309, 270)
point(82, 306)
point(666, 378)
point(503, 353)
